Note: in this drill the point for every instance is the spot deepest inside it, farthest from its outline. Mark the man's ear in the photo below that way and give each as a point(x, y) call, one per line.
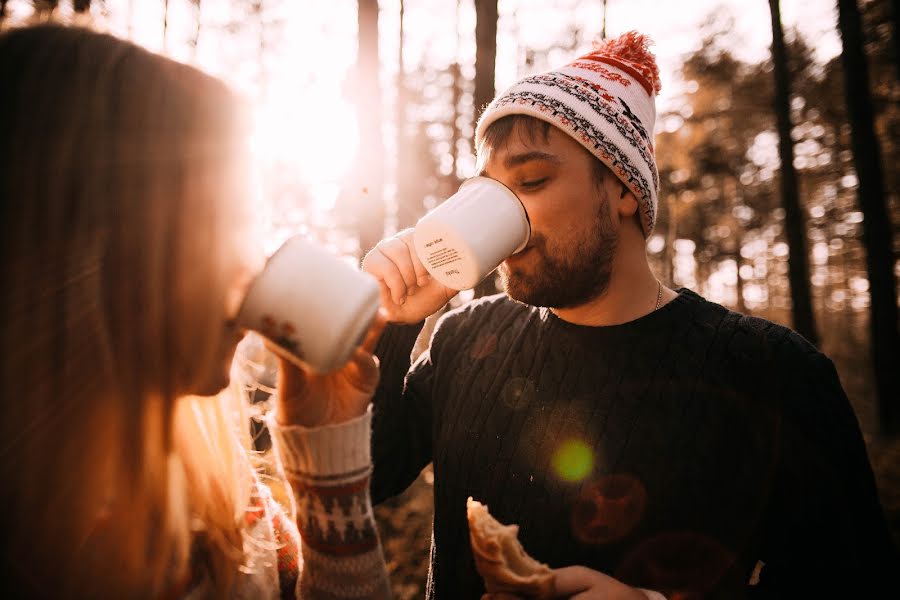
point(628, 204)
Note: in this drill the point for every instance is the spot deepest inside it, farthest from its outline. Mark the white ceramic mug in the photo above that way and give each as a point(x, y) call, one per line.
point(471, 233)
point(313, 306)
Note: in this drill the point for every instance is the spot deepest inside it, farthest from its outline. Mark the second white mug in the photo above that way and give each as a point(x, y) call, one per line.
point(313, 306)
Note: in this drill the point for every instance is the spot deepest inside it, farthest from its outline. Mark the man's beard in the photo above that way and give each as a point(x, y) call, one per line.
point(565, 277)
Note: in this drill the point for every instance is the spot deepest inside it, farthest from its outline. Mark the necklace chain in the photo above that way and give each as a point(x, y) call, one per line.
point(658, 296)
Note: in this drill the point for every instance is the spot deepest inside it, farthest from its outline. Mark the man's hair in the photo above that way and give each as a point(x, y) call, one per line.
point(530, 129)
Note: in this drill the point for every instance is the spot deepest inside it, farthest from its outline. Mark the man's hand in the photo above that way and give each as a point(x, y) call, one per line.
point(313, 399)
point(581, 583)
point(408, 293)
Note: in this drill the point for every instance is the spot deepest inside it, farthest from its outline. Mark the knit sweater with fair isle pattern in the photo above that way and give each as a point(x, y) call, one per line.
point(688, 451)
point(333, 551)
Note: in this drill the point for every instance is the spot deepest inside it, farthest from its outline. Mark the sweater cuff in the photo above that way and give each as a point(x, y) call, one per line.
point(329, 450)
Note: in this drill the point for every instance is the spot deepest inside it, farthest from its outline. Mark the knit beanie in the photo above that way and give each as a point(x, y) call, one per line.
point(605, 101)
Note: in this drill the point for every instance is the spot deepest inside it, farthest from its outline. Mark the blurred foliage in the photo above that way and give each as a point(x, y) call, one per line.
point(718, 163)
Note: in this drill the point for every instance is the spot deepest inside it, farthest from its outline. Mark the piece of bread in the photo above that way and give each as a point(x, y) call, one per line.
point(500, 558)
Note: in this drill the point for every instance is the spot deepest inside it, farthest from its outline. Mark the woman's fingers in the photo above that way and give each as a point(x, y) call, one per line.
point(375, 330)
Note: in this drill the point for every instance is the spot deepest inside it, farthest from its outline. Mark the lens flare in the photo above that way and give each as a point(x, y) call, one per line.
point(608, 509)
point(573, 460)
point(679, 564)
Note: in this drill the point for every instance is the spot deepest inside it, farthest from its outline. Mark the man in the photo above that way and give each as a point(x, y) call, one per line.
point(656, 439)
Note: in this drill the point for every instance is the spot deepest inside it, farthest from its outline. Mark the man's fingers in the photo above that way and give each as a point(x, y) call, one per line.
point(384, 269)
point(399, 253)
point(421, 272)
point(569, 581)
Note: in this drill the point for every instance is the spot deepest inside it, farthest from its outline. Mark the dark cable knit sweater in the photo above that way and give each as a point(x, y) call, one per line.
point(672, 452)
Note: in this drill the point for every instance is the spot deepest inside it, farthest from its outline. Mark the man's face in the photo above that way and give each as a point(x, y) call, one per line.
point(568, 260)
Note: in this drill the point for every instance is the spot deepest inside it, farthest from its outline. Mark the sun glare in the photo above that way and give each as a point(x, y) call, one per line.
point(311, 131)
point(305, 120)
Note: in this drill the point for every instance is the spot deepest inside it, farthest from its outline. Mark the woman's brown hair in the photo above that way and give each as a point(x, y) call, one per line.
point(120, 227)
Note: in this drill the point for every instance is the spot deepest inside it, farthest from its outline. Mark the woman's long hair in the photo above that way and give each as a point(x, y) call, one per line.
point(121, 176)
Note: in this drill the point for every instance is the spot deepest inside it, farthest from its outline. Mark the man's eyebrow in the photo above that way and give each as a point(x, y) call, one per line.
point(514, 160)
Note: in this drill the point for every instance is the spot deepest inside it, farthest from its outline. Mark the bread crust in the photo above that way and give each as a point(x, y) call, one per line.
point(500, 558)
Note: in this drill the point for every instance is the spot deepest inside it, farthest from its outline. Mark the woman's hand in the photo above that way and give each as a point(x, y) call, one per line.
point(312, 399)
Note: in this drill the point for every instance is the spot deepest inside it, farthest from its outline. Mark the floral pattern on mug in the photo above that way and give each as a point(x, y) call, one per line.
point(283, 335)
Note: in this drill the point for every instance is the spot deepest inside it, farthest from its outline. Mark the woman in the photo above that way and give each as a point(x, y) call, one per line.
point(124, 249)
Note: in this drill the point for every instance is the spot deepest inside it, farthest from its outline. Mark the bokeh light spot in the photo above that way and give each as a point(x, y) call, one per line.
point(517, 392)
point(573, 460)
point(484, 346)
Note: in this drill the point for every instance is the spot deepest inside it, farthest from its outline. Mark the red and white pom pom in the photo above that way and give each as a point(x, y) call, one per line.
point(632, 48)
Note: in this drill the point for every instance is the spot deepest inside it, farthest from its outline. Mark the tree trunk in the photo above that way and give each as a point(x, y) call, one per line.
point(195, 41)
point(405, 217)
point(603, 31)
point(728, 193)
point(894, 10)
point(165, 32)
point(370, 158)
point(130, 19)
point(455, 133)
point(671, 235)
point(798, 260)
point(45, 8)
point(486, 15)
point(877, 230)
point(258, 9)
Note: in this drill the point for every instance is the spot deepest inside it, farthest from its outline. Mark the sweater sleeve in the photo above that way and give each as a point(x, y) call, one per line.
point(401, 430)
point(328, 469)
point(825, 534)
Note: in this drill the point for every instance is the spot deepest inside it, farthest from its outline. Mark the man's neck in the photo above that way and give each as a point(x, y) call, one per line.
point(632, 293)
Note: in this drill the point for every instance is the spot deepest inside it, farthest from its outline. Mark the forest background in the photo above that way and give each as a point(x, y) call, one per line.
point(777, 142)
